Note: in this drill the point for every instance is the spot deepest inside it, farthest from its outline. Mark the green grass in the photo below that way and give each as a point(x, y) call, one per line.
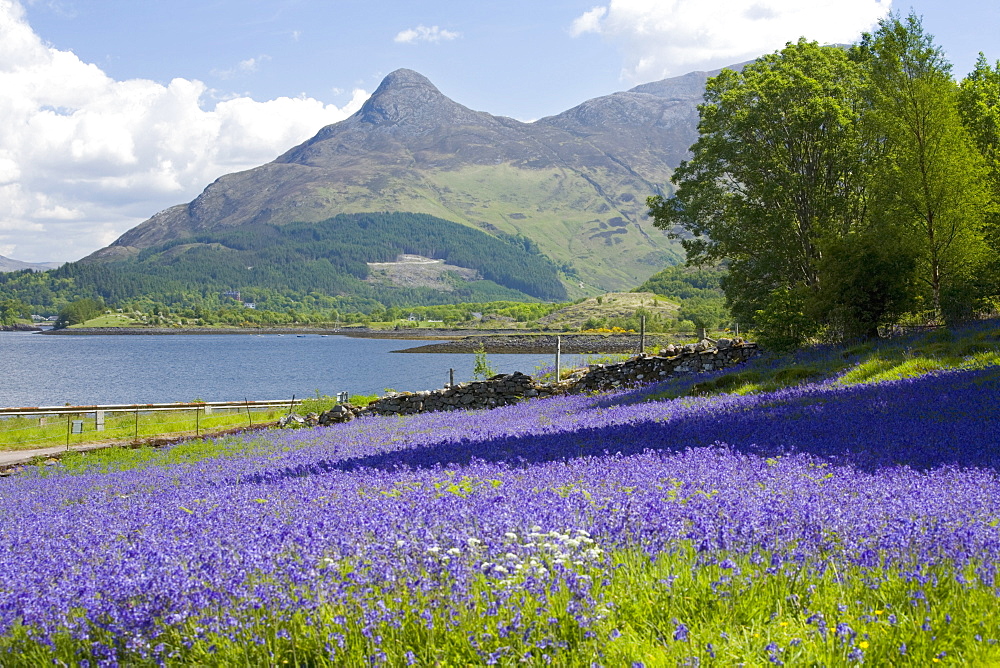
point(676, 609)
point(868, 362)
point(26, 433)
point(125, 459)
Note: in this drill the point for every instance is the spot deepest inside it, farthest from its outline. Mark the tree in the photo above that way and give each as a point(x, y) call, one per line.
point(776, 175)
point(78, 312)
point(979, 105)
point(868, 284)
point(930, 187)
point(12, 310)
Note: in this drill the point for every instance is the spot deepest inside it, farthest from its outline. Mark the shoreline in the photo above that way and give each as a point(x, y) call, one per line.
point(354, 332)
point(544, 344)
point(492, 341)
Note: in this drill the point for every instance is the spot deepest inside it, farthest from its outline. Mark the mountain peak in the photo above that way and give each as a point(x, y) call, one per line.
point(404, 77)
point(402, 95)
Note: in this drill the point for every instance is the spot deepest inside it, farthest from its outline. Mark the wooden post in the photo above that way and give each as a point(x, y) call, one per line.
point(642, 334)
point(246, 402)
point(558, 357)
point(137, 424)
point(197, 420)
point(451, 378)
point(69, 426)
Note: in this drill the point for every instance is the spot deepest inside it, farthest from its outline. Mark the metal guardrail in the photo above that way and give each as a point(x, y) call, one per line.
point(206, 406)
point(95, 415)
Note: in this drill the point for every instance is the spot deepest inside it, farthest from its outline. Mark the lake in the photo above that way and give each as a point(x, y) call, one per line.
point(38, 370)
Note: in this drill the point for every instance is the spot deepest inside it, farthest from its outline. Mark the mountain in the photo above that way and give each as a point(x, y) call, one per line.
point(575, 184)
point(8, 264)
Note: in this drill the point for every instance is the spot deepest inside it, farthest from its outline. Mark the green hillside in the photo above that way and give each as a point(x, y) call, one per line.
point(601, 246)
point(269, 264)
point(697, 289)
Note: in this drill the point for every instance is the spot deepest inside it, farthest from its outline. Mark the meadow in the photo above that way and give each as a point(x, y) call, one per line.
point(849, 517)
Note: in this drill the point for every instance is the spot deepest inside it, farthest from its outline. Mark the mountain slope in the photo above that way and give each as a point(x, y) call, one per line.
point(574, 183)
point(332, 257)
point(10, 264)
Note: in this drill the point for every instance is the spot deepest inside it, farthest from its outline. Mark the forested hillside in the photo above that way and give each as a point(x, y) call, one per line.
point(697, 289)
point(271, 265)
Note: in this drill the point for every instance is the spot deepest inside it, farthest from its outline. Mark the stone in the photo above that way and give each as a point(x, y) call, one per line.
point(292, 421)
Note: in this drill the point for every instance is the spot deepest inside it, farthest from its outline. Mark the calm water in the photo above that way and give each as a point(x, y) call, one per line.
point(37, 370)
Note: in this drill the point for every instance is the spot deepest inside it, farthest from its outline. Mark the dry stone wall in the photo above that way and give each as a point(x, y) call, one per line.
point(506, 389)
point(672, 361)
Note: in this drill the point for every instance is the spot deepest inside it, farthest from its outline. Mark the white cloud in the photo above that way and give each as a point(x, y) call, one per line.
point(588, 22)
point(424, 34)
point(248, 66)
point(661, 38)
point(84, 157)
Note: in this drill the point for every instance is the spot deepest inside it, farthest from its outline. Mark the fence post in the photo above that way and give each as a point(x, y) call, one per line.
point(558, 357)
point(642, 334)
point(99, 421)
point(136, 424)
point(451, 378)
point(197, 420)
point(246, 402)
point(68, 427)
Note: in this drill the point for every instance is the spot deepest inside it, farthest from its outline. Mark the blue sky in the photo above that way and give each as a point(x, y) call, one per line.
point(111, 110)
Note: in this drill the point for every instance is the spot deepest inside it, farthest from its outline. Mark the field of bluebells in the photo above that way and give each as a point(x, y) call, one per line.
point(821, 524)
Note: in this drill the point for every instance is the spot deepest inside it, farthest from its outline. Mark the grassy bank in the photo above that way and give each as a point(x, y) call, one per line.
point(28, 433)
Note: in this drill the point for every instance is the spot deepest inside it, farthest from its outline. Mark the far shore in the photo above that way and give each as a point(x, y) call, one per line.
point(494, 341)
point(358, 332)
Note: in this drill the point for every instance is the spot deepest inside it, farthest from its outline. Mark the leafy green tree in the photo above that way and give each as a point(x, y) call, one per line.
point(931, 189)
point(79, 312)
point(482, 369)
point(12, 310)
point(868, 284)
point(979, 105)
point(704, 313)
point(776, 175)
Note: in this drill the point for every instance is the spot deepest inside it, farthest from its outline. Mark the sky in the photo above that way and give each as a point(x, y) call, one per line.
point(113, 110)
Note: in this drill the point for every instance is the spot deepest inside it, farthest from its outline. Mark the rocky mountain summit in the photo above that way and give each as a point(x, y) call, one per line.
point(574, 183)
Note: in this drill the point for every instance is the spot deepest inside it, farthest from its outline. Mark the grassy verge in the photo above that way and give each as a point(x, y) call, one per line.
point(26, 433)
point(974, 347)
